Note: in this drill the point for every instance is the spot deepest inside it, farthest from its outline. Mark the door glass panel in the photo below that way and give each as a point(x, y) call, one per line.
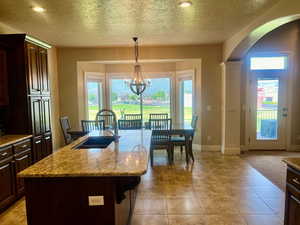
point(268, 63)
point(187, 104)
point(94, 98)
point(267, 109)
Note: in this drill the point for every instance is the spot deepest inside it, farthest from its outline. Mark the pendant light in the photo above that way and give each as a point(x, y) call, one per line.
point(137, 84)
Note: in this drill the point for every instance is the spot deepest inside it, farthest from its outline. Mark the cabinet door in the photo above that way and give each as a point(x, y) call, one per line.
point(43, 66)
point(46, 114)
point(33, 69)
point(3, 78)
point(47, 148)
point(292, 213)
point(7, 187)
point(22, 161)
point(37, 116)
point(37, 148)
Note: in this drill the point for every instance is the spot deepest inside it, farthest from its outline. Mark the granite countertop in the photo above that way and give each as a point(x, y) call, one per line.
point(12, 138)
point(293, 162)
point(127, 157)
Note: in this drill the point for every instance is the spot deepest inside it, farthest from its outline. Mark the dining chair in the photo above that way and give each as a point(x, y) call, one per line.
point(153, 116)
point(179, 140)
point(130, 124)
point(133, 117)
point(92, 125)
point(69, 135)
point(160, 140)
point(109, 118)
point(160, 124)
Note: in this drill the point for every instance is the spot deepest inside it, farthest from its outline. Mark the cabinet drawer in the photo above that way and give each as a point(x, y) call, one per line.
point(293, 178)
point(6, 152)
point(22, 146)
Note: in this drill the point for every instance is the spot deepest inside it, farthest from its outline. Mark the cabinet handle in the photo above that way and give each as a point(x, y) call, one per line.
point(47, 138)
point(24, 157)
point(4, 154)
point(5, 166)
point(24, 146)
point(296, 181)
point(39, 141)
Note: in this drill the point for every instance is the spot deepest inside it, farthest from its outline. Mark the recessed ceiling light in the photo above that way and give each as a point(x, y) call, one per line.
point(185, 4)
point(38, 9)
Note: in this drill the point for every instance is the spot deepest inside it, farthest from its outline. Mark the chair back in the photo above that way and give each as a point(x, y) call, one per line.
point(133, 116)
point(91, 125)
point(65, 126)
point(154, 116)
point(194, 122)
point(160, 124)
point(160, 137)
point(130, 124)
point(108, 117)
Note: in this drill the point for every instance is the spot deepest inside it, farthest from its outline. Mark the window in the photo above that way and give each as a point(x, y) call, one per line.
point(186, 93)
point(157, 97)
point(268, 63)
point(94, 95)
point(123, 101)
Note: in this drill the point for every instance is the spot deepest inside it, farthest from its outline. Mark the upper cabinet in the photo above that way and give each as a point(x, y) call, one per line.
point(37, 70)
point(3, 78)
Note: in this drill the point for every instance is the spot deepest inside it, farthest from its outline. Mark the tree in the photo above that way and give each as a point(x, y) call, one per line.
point(114, 96)
point(133, 97)
point(160, 95)
point(92, 98)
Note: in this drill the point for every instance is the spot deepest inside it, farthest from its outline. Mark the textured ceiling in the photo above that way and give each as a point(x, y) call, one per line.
point(113, 22)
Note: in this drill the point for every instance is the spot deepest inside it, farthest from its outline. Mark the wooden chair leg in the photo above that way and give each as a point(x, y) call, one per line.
point(191, 151)
point(187, 157)
point(151, 156)
point(181, 149)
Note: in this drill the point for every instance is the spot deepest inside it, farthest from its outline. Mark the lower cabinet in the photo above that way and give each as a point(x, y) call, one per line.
point(7, 182)
point(42, 147)
point(292, 201)
point(22, 161)
point(13, 159)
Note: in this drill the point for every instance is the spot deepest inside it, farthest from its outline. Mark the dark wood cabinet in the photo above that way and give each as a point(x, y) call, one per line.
point(292, 201)
point(7, 178)
point(33, 69)
point(44, 76)
point(3, 78)
point(37, 148)
point(37, 115)
point(13, 159)
point(46, 111)
point(47, 145)
point(22, 161)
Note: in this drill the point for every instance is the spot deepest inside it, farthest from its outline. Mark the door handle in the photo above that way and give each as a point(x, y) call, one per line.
point(39, 141)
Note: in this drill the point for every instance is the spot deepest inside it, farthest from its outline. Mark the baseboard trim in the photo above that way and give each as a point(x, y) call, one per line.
point(294, 148)
point(210, 148)
point(231, 151)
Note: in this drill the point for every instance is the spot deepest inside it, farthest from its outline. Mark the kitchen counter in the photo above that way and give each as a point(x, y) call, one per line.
point(77, 185)
point(12, 138)
point(127, 157)
point(293, 162)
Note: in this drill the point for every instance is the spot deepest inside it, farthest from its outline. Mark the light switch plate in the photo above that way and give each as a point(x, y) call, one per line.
point(96, 200)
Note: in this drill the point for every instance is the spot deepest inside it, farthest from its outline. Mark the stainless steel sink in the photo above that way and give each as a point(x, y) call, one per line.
point(96, 142)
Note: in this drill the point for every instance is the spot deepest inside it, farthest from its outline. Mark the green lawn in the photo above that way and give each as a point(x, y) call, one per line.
point(131, 109)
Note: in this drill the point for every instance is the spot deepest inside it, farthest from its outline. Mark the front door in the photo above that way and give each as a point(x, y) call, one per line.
point(268, 103)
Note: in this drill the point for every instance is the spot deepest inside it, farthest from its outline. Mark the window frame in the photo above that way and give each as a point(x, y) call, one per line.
point(181, 76)
point(96, 77)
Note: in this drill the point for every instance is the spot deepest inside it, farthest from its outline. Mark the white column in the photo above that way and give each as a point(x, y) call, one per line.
point(231, 107)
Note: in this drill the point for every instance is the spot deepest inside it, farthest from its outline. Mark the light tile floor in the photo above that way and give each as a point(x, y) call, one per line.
point(215, 190)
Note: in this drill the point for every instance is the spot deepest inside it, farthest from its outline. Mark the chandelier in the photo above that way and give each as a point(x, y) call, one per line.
point(137, 84)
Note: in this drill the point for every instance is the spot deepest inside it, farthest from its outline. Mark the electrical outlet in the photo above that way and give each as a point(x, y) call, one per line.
point(208, 138)
point(208, 108)
point(96, 200)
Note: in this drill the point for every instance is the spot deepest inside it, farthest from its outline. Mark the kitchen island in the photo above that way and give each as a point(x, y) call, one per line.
point(81, 185)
